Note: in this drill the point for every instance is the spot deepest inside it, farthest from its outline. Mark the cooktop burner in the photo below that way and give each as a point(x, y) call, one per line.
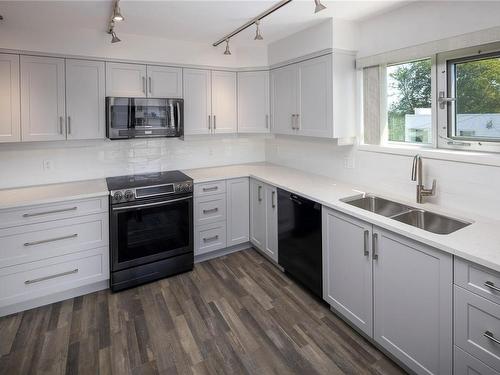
point(148, 179)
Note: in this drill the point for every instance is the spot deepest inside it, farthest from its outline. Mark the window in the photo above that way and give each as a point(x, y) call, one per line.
point(409, 102)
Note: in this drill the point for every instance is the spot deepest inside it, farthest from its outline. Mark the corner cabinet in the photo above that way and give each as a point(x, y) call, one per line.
point(407, 309)
point(10, 112)
point(253, 102)
point(315, 97)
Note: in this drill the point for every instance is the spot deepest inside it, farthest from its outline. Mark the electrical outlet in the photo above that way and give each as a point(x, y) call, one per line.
point(349, 162)
point(48, 165)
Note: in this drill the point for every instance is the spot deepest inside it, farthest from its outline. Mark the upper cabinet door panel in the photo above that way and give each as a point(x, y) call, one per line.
point(85, 89)
point(284, 99)
point(197, 101)
point(164, 82)
point(224, 102)
point(315, 88)
point(126, 80)
point(253, 102)
point(10, 113)
point(42, 99)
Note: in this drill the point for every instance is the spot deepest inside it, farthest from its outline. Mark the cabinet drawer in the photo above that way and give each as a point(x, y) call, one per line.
point(36, 279)
point(210, 209)
point(210, 188)
point(209, 238)
point(477, 327)
point(465, 364)
point(39, 241)
point(478, 279)
point(45, 212)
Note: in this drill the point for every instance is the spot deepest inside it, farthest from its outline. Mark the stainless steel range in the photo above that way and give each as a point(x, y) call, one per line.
point(151, 227)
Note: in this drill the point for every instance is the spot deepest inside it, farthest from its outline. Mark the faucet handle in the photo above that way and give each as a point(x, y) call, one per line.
point(433, 189)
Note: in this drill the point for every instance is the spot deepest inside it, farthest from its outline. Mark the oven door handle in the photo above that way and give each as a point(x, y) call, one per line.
point(150, 204)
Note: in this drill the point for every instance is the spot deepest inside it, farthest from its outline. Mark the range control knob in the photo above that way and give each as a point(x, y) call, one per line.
point(117, 196)
point(129, 195)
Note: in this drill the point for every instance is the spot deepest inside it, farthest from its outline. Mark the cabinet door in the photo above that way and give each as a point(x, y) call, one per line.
point(10, 113)
point(85, 87)
point(42, 99)
point(347, 268)
point(125, 80)
point(238, 211)
point(257, 214)
point(253, 102)
point(284, 99)
point(315, 97)
point(164, 82)
point(224, 102)
point(271, 248)
point(197, 101)
point(412, 286)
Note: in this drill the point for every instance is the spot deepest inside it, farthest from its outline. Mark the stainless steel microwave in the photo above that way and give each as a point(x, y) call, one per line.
point(144, 118)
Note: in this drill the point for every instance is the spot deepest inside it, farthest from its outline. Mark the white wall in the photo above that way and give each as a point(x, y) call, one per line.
point(23, 164)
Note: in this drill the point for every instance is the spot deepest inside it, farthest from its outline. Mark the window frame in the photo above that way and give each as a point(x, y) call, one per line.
point(445, 116)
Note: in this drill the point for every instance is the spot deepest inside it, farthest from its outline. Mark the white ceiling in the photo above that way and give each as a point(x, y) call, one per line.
point(196, 21)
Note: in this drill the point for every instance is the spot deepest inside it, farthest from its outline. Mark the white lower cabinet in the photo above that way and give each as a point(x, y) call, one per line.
point(210, 237)
point(411, 294)
point(238, 211)
point(465, 364)
point(264, 218)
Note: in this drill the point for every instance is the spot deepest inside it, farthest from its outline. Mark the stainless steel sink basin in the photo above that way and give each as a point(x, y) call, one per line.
point(431, 221)
point(426, 220)
point(377, 205)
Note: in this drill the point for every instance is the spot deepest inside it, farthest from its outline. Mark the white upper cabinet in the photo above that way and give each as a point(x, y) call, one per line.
point(42, 99)
point(126, 80)
point(253, 102)
point(197, 101)
point(10, 113)
point(284, 99)
point(224, 102)
point(85, 90)
point(164, 82)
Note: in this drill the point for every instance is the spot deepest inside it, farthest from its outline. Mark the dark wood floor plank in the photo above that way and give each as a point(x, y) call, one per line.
point(237, 314)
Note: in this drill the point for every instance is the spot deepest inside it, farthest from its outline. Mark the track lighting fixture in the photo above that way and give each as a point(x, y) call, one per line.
point(319, 6)
point(227, 51)
point(111, 31)
point(258, 35)
point(1, 17)
point(117, 14)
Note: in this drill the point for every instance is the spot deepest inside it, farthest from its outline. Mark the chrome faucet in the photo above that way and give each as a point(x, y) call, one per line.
point(416, 175)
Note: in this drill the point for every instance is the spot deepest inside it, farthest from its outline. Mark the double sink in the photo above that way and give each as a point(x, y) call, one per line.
point(426, 220)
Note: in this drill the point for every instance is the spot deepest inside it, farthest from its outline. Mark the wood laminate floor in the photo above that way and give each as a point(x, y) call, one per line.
point(233, 315)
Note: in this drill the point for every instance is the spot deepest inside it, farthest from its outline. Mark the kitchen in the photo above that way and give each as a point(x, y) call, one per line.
point(251, 193)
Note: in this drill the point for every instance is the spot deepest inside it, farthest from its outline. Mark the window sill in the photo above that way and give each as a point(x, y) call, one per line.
point(470, 157)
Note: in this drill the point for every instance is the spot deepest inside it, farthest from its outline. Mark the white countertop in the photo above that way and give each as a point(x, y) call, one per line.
point(478, 242)
point(52, 193)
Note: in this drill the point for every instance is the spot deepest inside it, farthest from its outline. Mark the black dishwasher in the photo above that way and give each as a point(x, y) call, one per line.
point(299, 240)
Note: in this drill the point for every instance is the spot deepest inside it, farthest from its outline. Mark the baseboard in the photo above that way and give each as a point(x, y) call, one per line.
point(51, 298)
point(221, 252)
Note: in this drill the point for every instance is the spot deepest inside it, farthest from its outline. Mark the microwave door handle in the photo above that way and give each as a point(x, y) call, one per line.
point(178, 125)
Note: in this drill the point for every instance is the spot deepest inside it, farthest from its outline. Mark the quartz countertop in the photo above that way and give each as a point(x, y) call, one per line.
point(478, 242)
point(52, 193)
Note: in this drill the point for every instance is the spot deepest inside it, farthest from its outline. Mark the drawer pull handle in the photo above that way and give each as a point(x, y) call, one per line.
point(211, 188)
point(211, 210)
point(51, 240)
point(490, 285)
point(50, 212)
point(490, 336)
point(27, 282)
point(213, 238)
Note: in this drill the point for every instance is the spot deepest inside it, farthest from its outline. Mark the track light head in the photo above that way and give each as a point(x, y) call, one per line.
point(258, 35)
point(1, 17)
point(114, 38)
point(319, 6)
point(227, 51)
point(117, 14)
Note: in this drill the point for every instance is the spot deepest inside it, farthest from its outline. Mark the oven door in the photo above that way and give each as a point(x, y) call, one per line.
point(150, 230)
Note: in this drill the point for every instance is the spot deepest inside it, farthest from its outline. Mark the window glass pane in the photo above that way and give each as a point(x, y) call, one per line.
point(477, 93)
point(409, 102)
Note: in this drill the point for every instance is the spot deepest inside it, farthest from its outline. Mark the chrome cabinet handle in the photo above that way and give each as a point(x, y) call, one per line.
point(489, 335)
point(273, 199)
point(150, 85)
point(213, 238)
point(215, 122)
point(209, 122)
point(27, 282)
point(374, 246)
point(51, 240)
point(491, 285)
point(144, 85)
point(297, 122)
point(69, 124)
point(258, 193)
point(211, 210)
point(50, 212)
point(267, 121)
point(293, 121)
point(213, 188)
point(61, 119)
point(365, 245)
